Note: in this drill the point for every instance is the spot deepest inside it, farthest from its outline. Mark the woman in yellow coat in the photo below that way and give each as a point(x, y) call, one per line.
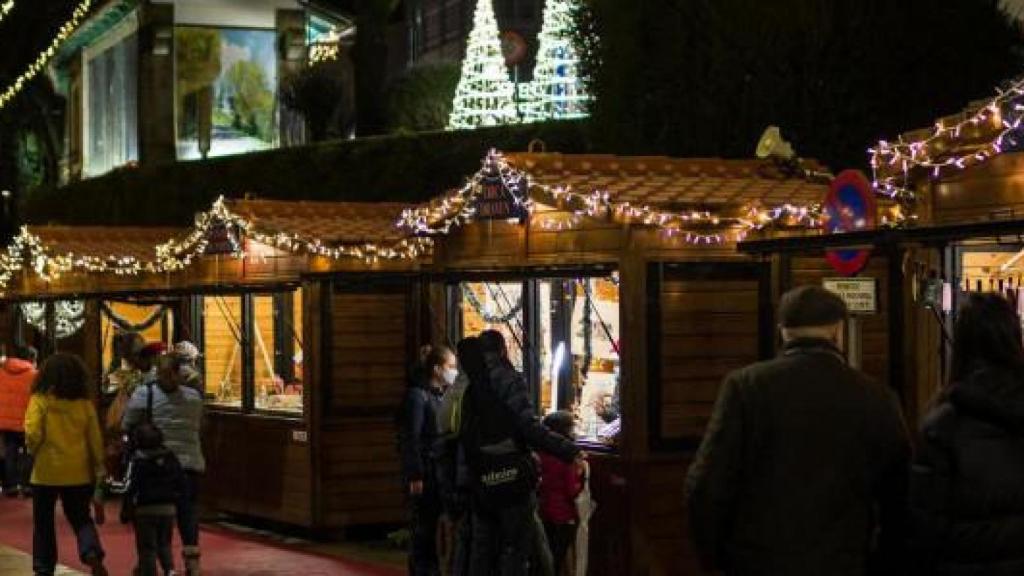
point(62, 432)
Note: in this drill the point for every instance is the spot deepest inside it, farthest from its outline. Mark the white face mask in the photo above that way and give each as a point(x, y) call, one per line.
point(450, 374)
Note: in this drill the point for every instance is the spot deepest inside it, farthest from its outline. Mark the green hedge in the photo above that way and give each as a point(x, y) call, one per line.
point(388, 168)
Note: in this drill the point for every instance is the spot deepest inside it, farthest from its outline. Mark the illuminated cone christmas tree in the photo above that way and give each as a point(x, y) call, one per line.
point(557, 91)
point(485, 96)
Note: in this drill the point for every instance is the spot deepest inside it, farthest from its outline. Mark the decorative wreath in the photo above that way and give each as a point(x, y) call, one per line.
point(480, 309)
point(69, 316)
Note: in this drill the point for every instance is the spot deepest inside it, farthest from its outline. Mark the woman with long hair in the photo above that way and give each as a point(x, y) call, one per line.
point(62, 432)
point(967, 482)
point(418, 436)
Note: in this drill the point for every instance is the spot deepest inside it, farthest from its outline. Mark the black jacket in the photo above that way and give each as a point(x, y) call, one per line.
point(504, 411)
point(799, 454)
point(155, 478)
point(967, 485)
point(417, 432)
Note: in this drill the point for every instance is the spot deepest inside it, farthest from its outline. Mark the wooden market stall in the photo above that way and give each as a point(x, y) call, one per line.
point(957, 187)
point(616, 281)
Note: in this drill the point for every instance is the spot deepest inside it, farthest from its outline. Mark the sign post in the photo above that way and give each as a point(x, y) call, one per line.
point(861, 298)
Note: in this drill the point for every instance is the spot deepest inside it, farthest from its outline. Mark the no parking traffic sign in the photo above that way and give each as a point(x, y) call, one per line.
point(849, 207)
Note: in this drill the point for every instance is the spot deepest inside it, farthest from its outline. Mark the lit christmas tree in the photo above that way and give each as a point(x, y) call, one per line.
point(485, 95)
point(557, 91)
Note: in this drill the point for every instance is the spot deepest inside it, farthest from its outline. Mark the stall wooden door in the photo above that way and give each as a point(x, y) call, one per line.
point(373, 335)
point(704, 321)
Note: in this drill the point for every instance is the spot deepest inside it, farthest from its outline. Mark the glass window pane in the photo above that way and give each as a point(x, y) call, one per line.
point(578, 345)
point(222, 358)
point(277, 330)
point(595, 345)
point(495, 306)
point(112, 108)
point(153, 322)
point(226, 92)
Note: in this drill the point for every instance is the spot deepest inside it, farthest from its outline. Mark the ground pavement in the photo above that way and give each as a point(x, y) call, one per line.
point(226, 552)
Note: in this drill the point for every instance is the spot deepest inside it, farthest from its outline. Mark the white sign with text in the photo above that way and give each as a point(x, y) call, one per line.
point(860, 294)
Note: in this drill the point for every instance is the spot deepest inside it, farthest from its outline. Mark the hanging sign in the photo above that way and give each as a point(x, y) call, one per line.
point(849, 207)
point(497, 200)
point(860, 294)
point(221, 239)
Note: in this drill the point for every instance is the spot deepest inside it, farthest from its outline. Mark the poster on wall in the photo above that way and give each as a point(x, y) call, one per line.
point(226, 91)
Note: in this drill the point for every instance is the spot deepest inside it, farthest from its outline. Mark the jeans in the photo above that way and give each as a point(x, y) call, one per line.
point(560, 538)
point(75, 501)
point(424, 514)
point(508, 541)
point(153, 543)
point(188, 514)
point(17, 461)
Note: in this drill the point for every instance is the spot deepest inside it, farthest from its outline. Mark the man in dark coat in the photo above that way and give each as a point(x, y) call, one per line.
point(802, 470)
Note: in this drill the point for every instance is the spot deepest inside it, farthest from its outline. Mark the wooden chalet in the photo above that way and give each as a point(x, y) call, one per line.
point(616, 281)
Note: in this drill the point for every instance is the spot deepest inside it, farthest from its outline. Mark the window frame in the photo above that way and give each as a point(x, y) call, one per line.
point(530, 279)
point(248, 349)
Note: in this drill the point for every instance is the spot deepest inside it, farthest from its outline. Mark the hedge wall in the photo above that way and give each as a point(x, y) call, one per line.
point(393, 168)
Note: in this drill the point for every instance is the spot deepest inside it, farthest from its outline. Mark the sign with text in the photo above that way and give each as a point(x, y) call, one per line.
point(221, 239)
point(860, 294)
point(497, 201)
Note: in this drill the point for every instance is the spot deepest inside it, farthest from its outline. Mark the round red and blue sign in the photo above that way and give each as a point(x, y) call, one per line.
point(849, 206)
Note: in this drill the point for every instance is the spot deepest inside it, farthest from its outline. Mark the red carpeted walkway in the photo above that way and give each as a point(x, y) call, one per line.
point(224, 553)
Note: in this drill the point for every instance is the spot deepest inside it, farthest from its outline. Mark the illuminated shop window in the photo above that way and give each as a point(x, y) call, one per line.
point(223, 352)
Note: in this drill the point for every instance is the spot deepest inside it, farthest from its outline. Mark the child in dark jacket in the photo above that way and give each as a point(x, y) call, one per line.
point(155, 482)
point(560, 483)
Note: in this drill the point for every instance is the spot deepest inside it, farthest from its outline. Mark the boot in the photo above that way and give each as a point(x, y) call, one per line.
point(191, 557)
point(95, 564)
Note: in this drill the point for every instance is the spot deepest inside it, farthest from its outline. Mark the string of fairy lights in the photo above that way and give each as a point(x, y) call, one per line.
point(420, 225)
point(39, 64)
point(458, 208)
point(1000, 121)
point(27, 251)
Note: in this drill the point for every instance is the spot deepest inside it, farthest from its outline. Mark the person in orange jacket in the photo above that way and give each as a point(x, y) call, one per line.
point(17, 372)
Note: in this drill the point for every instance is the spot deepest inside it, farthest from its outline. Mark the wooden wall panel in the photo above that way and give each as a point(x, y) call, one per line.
point(362, 479)
point(255, 467)
point(709, 328)
point(370, 350)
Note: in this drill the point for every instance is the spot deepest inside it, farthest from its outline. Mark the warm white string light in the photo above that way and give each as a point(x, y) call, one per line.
point(937, 153)
point(5, 8)
point(458, 208)
point(27, 251)
point(39, 64)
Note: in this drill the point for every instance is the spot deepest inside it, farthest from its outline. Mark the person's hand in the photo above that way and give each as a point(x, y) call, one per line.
point(98, 511)
point(416, 487)
point(580, 463)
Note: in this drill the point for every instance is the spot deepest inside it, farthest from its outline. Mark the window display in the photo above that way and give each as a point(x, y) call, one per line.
point(226, 98)
point(223, 354)
point(277, 338)
point(152, 321)
point(574, 364)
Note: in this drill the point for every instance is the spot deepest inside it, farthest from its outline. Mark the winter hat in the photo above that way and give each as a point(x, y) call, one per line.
point(186, 351)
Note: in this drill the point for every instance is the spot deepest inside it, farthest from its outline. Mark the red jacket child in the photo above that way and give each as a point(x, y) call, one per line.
point(16, 377)
point(560, 484)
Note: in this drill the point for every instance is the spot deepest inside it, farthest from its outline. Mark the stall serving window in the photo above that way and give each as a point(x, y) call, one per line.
point(563, 334)
point(252, 351)
point(153, 321)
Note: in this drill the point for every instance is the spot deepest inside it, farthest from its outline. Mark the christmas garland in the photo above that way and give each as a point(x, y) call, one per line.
point(126, 326)
point(478, 306)
point(69, 316)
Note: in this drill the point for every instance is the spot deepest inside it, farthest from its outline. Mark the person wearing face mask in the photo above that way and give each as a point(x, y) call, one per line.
point(803, 466)
point(417, 440)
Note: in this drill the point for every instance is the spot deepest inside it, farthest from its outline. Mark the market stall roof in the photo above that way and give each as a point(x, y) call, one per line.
point(983, 130)
point(665, 182)
point(103, 242)
point(331, 222)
